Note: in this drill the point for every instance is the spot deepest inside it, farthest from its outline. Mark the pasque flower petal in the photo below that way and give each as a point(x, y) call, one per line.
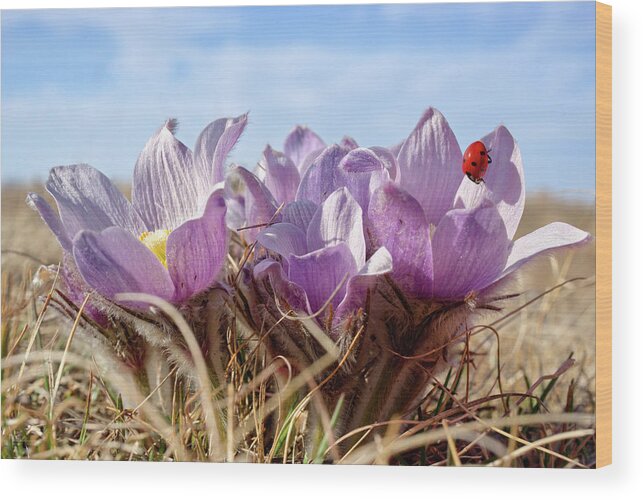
point(301, 142)
point(470, 249)
point(283, 238)
point(214, 145)
point(282, 176)
point(543, 240)
point(398, 223)
point(429, 163)
point(166, 186)
point(364, 172)
point(51, 218)
point(299, 213)
point(114, 261)
point(504, 182)
point(358, 286)
point(361, 160)
point(87, 199)
point(323, 274)
point(259, 204)
point(323, 176)
point(284, 289)
point(387, 159)
point(338, 219)
point(348, 142)
point(197, 248)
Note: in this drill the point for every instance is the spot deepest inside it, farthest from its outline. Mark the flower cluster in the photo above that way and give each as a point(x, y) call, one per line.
point(316, 232)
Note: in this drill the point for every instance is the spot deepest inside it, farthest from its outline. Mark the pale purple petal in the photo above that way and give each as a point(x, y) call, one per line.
point(114, 261)
point(358, 286)
point(543, 240)
point(395, 150)
point(364, 173)
point(282, 176)
point(397, 222)
point(166, 189)
point(285, 289)
point(470, 250)
point(348, 142)
point(197, 248)
point(338, 219)
point(322, 273)
point(308, 161)
point(361, 160)
point(283, 238)
point(87, 199)
point(51, 218)
point(299, 213)
point(504, 182)
point(387, 159)
point(430, 165)
point(324, 176)
point(260, 206)
point(301, 141)
point(214, 145)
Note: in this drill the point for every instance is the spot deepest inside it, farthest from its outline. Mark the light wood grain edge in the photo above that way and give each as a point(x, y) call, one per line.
point(603, 234)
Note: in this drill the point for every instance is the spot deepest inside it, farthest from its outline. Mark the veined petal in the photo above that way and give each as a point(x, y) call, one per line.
point(196, 249)
point(299, 213)
point(323, 274)
point(308, 161)
point(364, 173)
point(387, 159)
point(51, 218)
point(470, 250)
point(214, 145)
point(301, 141)
point(166, 189)
point(504, 182)
point(259, 204)
point(87, 199)
point(282, 176)
point(338, 219)
point(429, 163)
point(543, 240)
point(323, 176)
point(358, 286)
point(397, 222)
point(285, 289)
point(114, 261)
point(395, 150)
point(283, 238)
point(361, 160)
point(348, 142)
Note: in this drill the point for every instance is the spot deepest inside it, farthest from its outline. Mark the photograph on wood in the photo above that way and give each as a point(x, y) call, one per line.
point(314, 234)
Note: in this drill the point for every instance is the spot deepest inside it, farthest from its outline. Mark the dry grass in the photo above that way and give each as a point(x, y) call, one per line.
point(510, 397)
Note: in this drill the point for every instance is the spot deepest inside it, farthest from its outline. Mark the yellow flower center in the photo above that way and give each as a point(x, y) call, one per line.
point(156, 241)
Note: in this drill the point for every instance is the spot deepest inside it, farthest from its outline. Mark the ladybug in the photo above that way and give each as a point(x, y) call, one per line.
point(475, 161)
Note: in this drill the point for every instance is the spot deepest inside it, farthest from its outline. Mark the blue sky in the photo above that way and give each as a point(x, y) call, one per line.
point(92, 85)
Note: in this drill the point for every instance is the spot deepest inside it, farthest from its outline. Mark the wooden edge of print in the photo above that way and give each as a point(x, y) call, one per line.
point(603, 234)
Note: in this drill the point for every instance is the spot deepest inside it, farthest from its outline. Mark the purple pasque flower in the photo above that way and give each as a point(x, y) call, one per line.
point(323, 256)
point(254, 198)
point(170, 240)
point(281, 175)
point(301, 146)
point(448, 236)
point(256, 203)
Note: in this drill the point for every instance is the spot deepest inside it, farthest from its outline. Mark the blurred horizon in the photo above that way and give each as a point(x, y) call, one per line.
point(92, 85)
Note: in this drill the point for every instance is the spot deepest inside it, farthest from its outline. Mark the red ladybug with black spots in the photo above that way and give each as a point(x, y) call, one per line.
point(475, 161)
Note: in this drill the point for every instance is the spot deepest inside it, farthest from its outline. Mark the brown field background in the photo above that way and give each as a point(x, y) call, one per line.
point(534, 342)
